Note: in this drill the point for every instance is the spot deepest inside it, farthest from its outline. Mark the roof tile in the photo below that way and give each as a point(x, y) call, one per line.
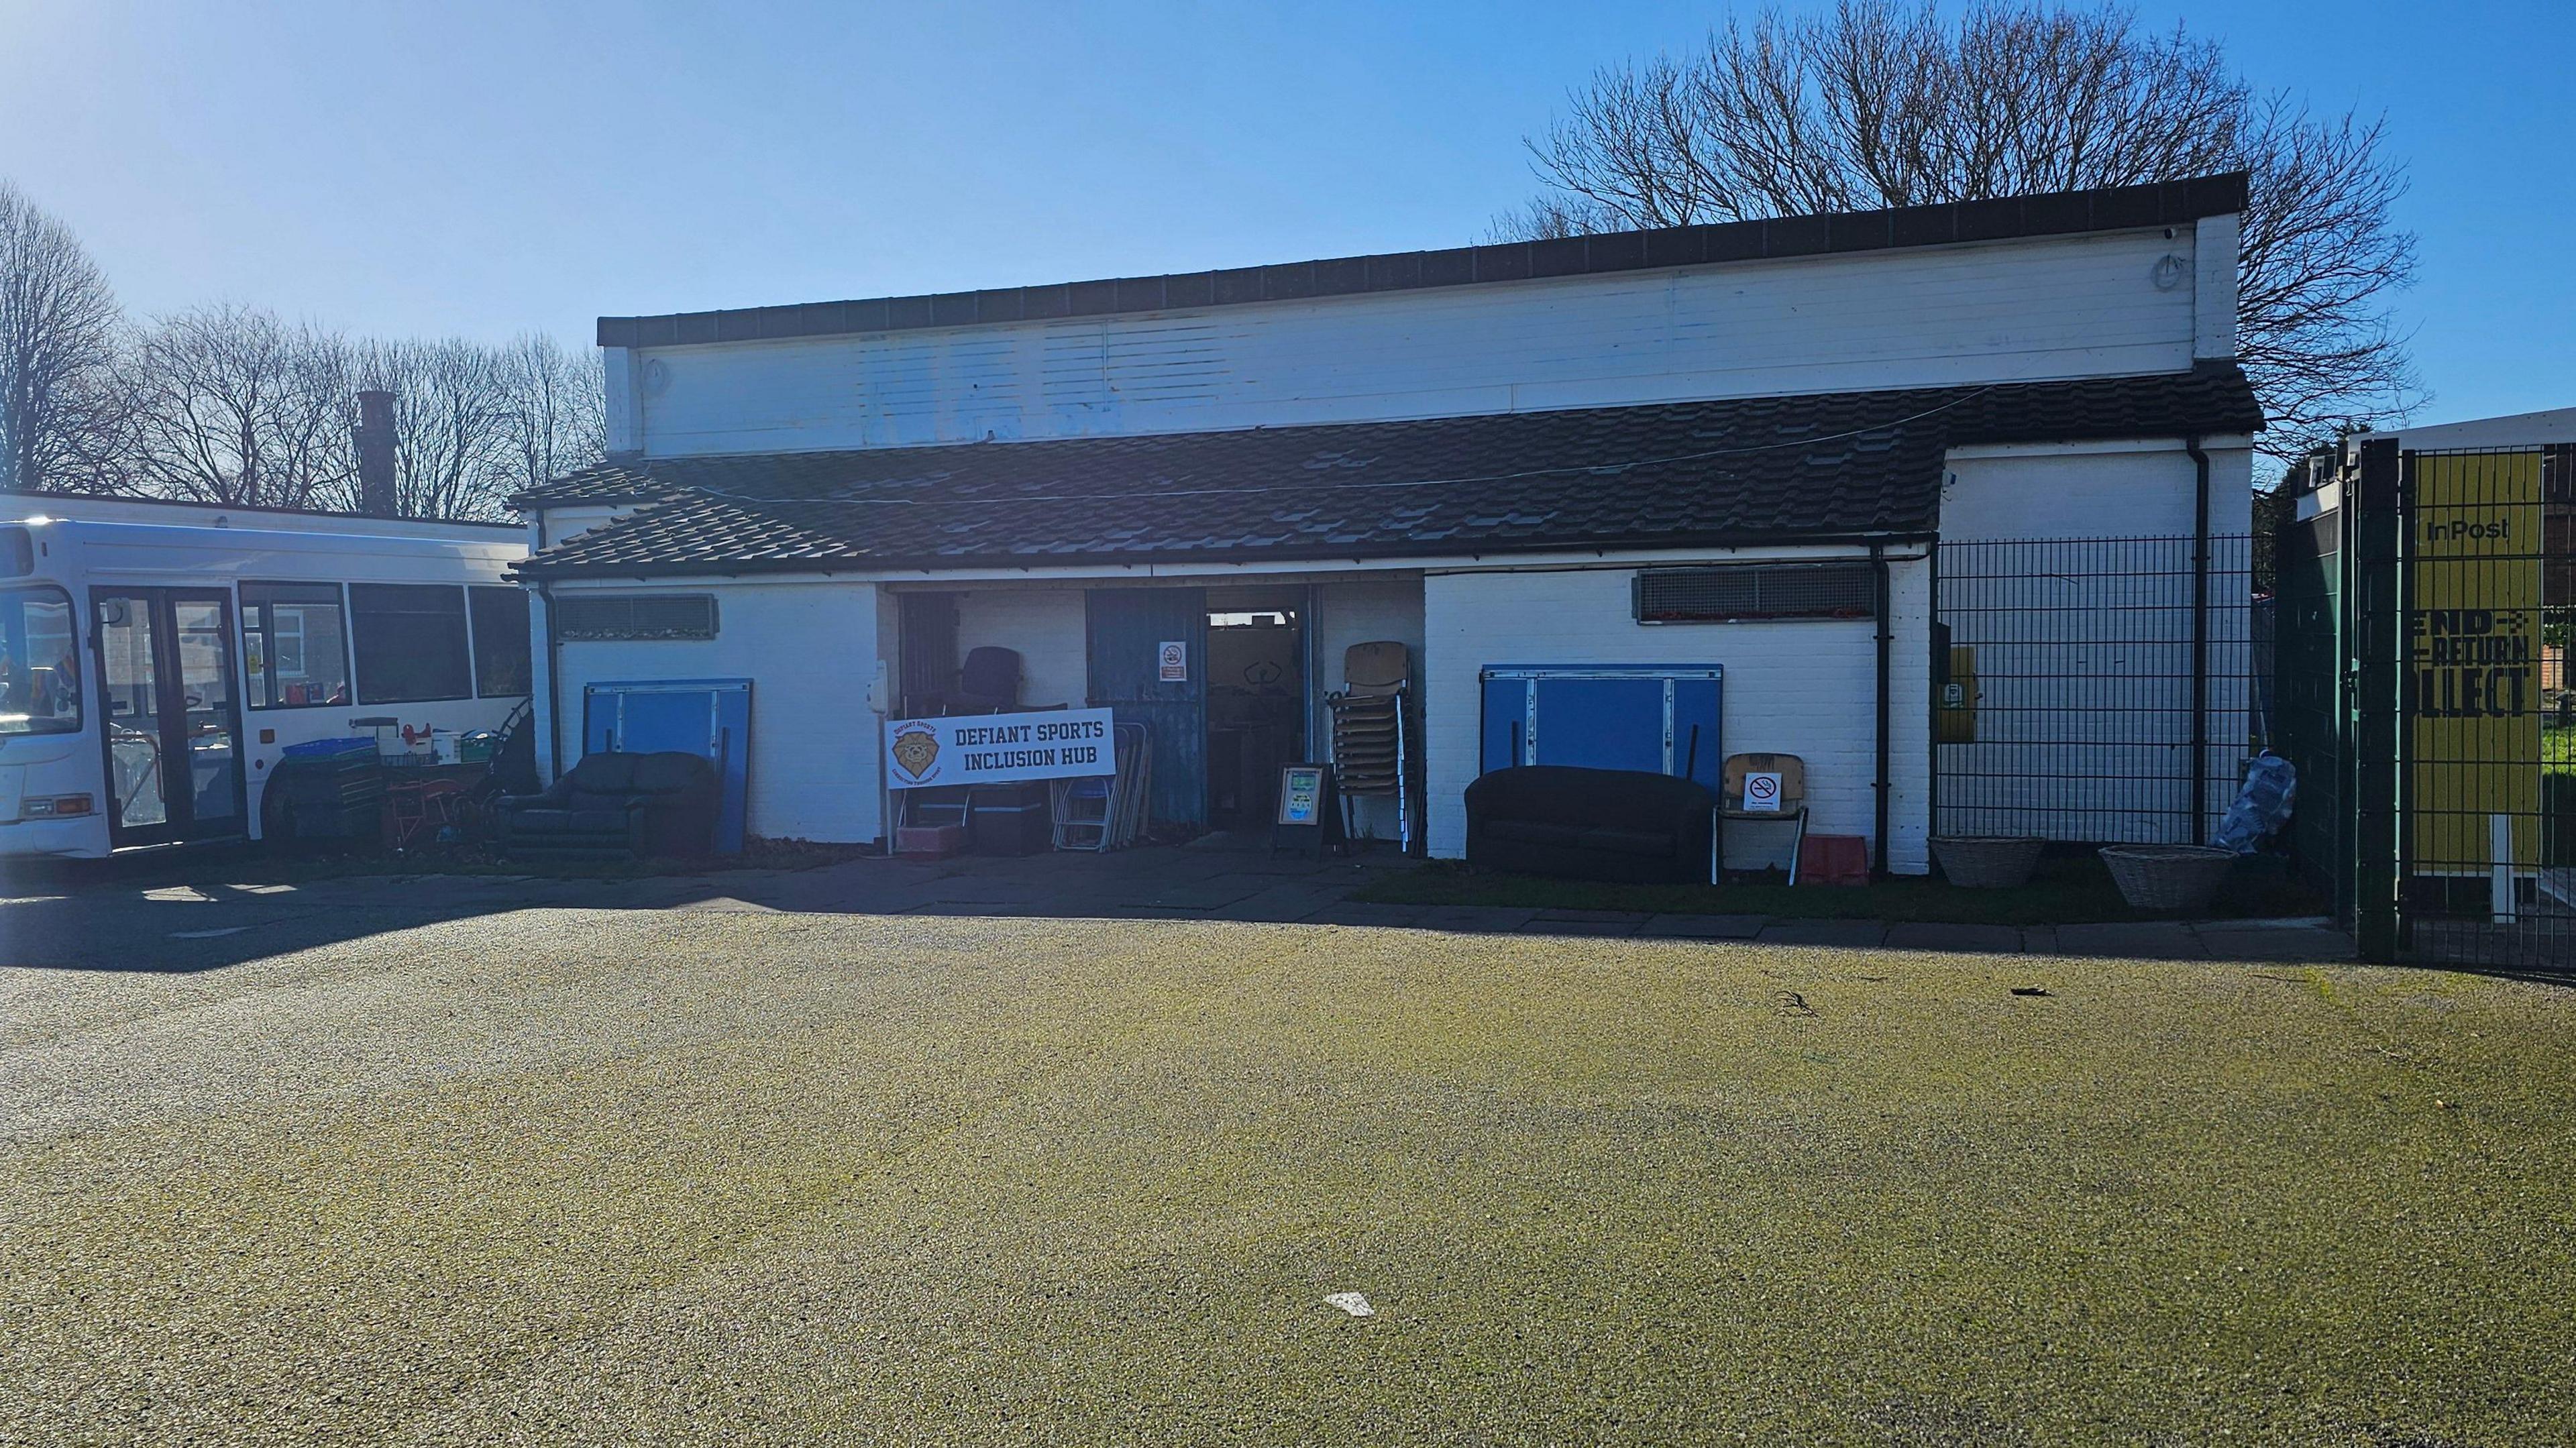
point(1677, 474)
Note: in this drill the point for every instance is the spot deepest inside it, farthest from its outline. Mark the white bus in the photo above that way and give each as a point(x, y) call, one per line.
point(157, 659)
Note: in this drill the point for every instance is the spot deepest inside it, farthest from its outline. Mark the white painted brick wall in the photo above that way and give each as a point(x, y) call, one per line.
point(2091, 493)
point(808, 649)
point(1806, 687)
point(1046, 625)
point(2021, 310)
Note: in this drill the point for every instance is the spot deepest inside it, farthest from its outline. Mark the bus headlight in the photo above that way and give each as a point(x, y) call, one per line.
point(55, 806)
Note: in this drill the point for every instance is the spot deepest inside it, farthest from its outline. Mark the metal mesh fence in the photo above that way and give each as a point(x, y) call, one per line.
point(2309, 721)
point(2487, 718)
point(2094, 689)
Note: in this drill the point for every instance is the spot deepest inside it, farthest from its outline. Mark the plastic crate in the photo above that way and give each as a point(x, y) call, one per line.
point(329, 749)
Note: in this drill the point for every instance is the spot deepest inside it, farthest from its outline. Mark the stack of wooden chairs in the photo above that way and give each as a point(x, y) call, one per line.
point(1375, 733)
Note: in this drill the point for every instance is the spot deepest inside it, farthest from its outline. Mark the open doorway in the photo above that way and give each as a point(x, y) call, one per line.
point(1256, 699)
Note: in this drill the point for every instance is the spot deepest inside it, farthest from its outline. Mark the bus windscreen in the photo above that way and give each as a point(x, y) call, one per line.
point(39, 663)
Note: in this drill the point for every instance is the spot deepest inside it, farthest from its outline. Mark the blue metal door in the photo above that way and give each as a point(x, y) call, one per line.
point(1654, 718)
point(1695, 752)
point(1128, 630)
point(1505, 725)
point(1601, 723)
point(710, 718)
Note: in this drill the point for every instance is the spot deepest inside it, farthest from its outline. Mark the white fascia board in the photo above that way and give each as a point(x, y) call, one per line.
point(1818, 552)
point(1240, 573)
point(2213, 442)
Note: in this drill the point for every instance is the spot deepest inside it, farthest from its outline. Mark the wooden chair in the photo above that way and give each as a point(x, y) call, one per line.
point(1787, 806)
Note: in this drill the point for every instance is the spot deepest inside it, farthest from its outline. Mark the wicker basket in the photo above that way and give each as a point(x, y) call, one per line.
point(2175, 878)
point(1987, 862)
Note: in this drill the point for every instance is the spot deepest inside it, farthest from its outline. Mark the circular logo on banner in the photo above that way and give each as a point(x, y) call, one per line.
point(916, 750)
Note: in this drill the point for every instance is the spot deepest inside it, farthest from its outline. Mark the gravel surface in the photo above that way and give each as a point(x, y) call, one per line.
point(664, 1176)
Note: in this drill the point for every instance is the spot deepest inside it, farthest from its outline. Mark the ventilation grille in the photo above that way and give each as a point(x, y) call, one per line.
point(637, 616)
point(1746, 591)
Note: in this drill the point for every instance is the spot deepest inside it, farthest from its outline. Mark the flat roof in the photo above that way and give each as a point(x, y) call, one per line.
point(2549, 427)
point(2003, 218)
point(16, 507)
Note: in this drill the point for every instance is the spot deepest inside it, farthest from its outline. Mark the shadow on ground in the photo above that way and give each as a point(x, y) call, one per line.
point(205, 910)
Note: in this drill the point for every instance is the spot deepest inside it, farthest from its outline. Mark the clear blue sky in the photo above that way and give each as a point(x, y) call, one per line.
point(484, 168)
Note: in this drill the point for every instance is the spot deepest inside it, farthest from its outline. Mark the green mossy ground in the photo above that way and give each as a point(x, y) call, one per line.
point(707, 1177)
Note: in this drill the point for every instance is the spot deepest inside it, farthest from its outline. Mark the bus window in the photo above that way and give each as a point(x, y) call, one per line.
point(501, 653)
point(295, 645)
point(411, 642)
point(40, 689)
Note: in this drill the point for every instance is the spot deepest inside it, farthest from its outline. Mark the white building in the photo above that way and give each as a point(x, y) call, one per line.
point(1519, 454)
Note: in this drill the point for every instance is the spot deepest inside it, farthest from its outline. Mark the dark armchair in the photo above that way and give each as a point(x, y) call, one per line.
point(989, 681)
point(626, 806)
point(1590, 824)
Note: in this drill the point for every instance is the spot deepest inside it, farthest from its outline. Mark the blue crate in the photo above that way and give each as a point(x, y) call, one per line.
point(328, 748)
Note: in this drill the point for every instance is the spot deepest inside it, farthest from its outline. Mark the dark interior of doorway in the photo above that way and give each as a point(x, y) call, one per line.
point(1256, 700)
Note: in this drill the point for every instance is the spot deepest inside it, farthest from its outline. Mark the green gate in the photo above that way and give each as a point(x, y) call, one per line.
point(2424, 625)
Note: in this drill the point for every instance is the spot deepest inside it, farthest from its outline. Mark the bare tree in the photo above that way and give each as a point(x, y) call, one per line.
point(231, 405)
point(58, 322)
point(558, 410)
point(228, 404)
point(1881, 105)
point(452, 425)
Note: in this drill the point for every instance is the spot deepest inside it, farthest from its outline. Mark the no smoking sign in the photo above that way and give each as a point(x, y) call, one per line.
point(1762, 791)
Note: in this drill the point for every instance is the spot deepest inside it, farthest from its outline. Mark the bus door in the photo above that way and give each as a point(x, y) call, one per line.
point(172, 697)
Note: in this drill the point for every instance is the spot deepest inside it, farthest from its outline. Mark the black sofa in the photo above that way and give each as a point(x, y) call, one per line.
point(616, 806)
point(1590, 824)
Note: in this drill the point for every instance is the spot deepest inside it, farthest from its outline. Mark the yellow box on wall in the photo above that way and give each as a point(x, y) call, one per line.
point(1957, 706)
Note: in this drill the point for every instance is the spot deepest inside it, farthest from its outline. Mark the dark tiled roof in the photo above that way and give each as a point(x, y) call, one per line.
point(1687, 474)
point(2161, 203)
point(608, 483)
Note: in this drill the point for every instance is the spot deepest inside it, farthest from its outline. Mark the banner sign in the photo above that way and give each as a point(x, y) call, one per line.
point(2473, 661)
point(998, 748)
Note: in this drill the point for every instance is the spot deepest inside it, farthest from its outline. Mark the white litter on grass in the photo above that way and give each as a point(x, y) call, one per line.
point(1352, 1303)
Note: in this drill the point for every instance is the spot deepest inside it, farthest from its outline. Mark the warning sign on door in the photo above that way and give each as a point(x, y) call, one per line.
point(1174, 662)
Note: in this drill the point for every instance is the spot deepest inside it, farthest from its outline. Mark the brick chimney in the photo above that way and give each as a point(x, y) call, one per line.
point(375, 437)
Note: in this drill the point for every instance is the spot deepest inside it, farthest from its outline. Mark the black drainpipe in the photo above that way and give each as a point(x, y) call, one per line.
point(2199, 642)
point(1886, 637)
point(554, 666)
